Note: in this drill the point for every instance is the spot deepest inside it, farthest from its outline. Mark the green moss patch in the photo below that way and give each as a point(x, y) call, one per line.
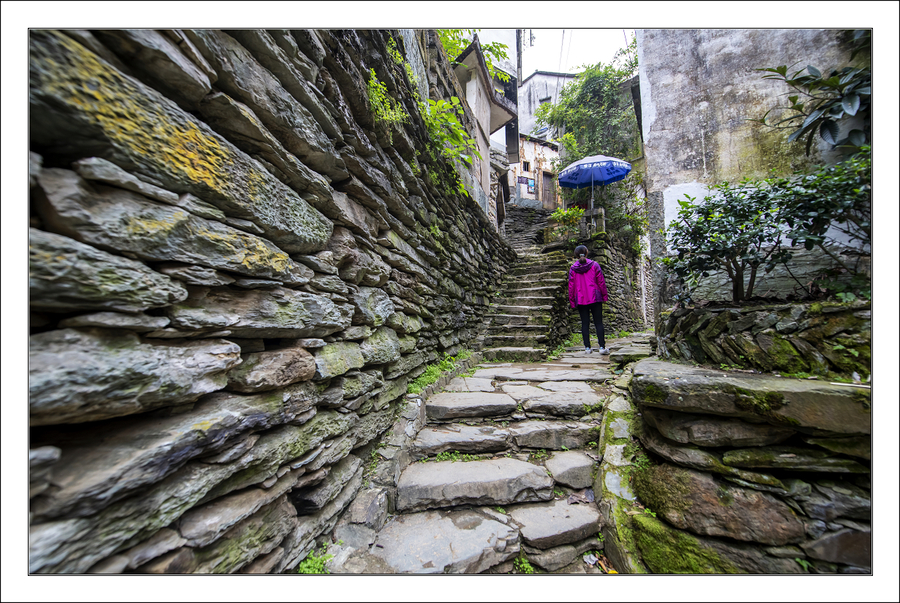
point(662, 487)
point(666, 550)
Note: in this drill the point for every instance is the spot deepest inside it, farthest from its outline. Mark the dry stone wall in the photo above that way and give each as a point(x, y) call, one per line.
point(235, 270)
point(828, 339)
point(751, 473)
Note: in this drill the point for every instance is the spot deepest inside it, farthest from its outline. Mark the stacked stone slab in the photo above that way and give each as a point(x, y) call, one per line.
point(235, 270)
point(501, 470)
point(530, 313)
point(828, 339)
point(751, 472)
point(526, 228)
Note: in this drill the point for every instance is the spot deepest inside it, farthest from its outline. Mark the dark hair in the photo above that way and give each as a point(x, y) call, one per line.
point(581, 250)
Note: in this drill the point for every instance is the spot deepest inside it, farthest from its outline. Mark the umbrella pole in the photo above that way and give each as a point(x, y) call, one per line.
point(591, 230)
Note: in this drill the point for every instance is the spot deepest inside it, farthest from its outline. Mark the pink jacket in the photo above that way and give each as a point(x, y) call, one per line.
point(586, 284)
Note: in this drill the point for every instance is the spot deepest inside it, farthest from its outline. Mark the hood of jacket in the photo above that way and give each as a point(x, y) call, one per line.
point(582, 268)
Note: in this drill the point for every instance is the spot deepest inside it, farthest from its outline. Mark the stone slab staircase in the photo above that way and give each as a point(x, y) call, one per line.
point(502, 472)
point(529, 313)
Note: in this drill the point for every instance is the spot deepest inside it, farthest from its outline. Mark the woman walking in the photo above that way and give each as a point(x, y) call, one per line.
point(587, 292)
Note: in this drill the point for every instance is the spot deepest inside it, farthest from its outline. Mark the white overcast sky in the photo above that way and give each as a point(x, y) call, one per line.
point(568, 50)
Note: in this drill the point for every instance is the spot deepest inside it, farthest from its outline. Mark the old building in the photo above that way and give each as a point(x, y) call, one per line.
point(533, 179)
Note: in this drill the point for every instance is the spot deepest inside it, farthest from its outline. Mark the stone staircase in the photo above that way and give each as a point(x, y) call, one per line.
point(501, 474)
point(529, 315)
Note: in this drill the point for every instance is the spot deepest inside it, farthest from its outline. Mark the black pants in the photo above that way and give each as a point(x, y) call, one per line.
point(595, 310)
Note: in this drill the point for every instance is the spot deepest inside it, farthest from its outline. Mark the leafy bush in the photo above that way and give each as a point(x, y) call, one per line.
point(743, 227)
point(568, 220)
point(315, 564)
point(384, 108)
point(735, 230)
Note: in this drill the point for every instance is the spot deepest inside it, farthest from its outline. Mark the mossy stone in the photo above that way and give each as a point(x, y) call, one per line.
point(666, 550)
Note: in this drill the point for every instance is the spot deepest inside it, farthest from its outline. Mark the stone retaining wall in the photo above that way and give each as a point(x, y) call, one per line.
point(749, 473)
point(815, 338)
point(235, 270)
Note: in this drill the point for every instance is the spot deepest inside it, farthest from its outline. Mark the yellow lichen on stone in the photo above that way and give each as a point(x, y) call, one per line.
point(138, 226)
point(251, 252)
point(110, 100)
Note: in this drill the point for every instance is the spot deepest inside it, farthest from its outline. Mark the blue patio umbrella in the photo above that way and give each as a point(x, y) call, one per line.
point(596, 169)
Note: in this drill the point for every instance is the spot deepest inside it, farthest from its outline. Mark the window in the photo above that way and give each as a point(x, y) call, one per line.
point(526, 166)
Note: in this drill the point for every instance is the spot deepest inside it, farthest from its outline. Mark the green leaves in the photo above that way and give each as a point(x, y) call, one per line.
point(828, 100)
point(741, 227)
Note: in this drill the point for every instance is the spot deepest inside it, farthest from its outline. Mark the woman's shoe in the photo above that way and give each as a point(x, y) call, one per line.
point(603, 351)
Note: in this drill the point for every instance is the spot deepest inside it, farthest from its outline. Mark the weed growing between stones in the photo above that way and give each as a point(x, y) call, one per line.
point(454, 456)
point(315, 564)
point(539, 455)
point(522, 565)
point(433, 372)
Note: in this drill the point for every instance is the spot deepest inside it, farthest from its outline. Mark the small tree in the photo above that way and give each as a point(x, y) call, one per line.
point(735, 230)
point(835, 201)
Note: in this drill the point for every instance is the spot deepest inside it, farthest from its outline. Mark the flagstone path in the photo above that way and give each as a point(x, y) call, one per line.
point(502, 473)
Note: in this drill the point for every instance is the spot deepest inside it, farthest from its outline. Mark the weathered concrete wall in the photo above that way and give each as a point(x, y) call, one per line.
point(699, 88)
point(535, 87)
point(234, 273)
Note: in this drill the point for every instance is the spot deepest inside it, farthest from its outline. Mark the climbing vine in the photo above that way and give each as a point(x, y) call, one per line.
point(384, 108)
point(448, 138)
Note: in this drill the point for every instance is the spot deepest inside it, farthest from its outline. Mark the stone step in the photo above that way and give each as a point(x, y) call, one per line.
point(809, 405)
point(519, 320)
point(552, 524)
point(467, 541)
point(490, 437)
point(561, 404)
point(529, 301)
point(538, 274)
point(513, 287)
point(514, 341)
point(544, 373)
point(526, 330)
point(631, 353)
point(513, 354)
point(447, 406)
point(533, 291)
point(504, 481)
point(521, 310)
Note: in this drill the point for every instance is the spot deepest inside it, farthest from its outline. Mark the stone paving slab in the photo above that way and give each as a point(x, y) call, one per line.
point(468, 404)
point(564, 403)
point(552, 435)
point(492, 482)
point(814, 405)
point(463, 438)
point(565, 386)
point(571, 468)
point(469, 384)
point(630, 353)
point(543, 374)
point(559, 557)
point(555, 523)
point(445, 542)
point(523, 392)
